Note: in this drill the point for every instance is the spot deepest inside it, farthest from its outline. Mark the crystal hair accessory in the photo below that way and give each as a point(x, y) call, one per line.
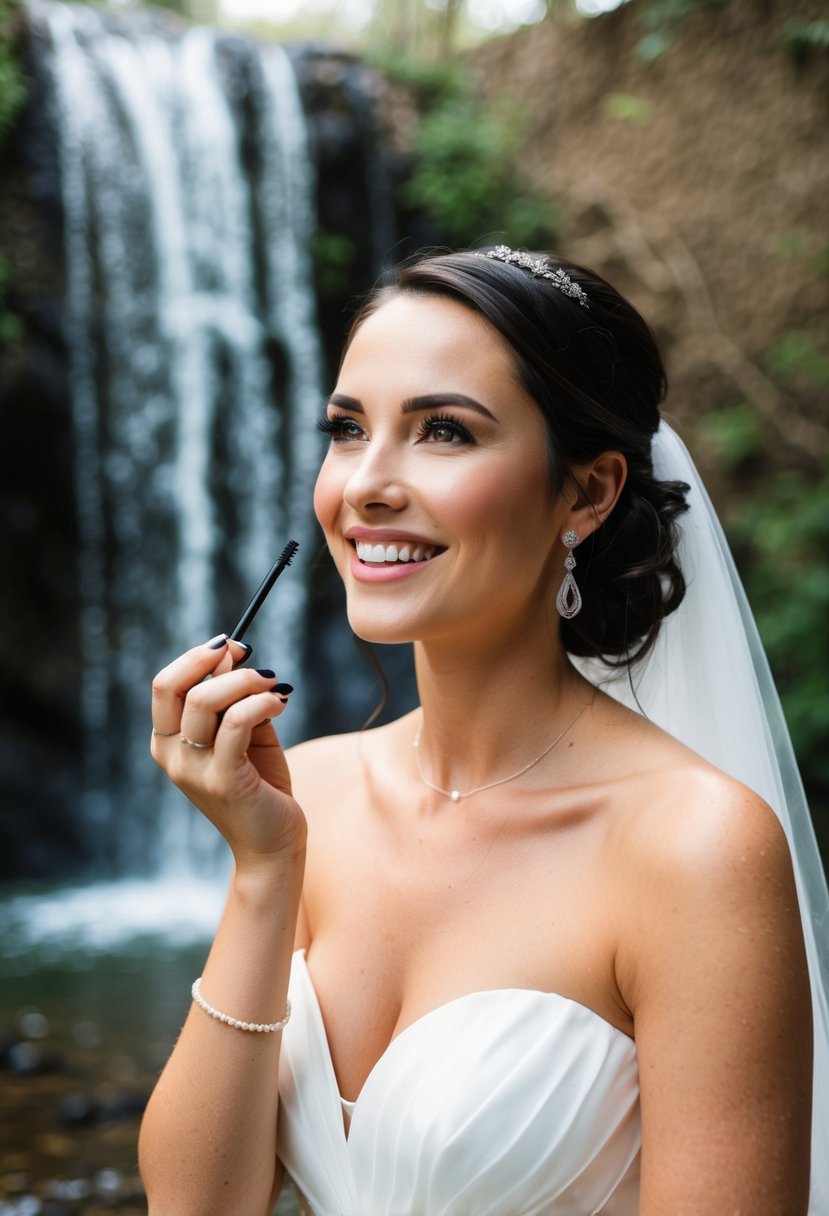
point(539, 268)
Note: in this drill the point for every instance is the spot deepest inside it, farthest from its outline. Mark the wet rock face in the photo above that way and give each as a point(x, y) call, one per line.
point(40, 736)
point(90, 610)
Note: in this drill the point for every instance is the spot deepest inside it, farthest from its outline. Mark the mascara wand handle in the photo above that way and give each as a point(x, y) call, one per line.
point(248, 616)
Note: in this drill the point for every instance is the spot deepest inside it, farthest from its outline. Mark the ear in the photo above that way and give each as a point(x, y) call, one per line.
point(600, 484)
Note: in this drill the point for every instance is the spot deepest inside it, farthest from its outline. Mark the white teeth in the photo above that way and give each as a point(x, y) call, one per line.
point(377, 554)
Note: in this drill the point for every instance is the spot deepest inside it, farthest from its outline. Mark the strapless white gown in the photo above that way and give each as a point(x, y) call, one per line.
point(508, 1102)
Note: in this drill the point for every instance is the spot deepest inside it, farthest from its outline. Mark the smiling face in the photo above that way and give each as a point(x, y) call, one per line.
point(435, 496)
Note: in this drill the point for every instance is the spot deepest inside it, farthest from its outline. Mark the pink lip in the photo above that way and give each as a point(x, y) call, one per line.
point(380, 536)
point(365, 573)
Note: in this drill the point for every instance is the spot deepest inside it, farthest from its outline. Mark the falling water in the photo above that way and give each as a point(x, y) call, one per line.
point(195, 377)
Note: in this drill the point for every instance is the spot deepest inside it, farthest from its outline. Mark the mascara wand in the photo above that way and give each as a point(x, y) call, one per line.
point(247, 617)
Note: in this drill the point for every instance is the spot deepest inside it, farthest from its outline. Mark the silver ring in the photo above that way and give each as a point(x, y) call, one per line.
point(190, 743)
point(164, 734)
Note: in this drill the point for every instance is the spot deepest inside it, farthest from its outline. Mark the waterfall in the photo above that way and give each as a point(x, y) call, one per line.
point(195, 373)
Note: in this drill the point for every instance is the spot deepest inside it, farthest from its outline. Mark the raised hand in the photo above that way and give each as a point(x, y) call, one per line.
point(212, 735)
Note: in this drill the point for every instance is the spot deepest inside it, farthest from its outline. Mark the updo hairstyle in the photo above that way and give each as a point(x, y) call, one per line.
point(598, 379)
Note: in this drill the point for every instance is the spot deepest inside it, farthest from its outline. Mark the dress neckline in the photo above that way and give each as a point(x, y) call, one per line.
point(349, 1105)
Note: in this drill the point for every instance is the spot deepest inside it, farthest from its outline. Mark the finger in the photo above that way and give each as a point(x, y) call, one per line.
point(266, 754)
point(173, 682)
point(234, 656)
point(241, 720)
point(205, 703)
point(243, 649)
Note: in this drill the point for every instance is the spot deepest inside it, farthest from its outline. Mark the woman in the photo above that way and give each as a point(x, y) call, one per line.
point(549, 960)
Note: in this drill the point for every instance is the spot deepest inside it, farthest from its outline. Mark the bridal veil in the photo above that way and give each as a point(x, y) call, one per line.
point(707, 681)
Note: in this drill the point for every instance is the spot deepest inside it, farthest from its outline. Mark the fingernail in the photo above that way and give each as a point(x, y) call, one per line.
point(266, 672)
point(284, 700)
point(243, 658)
point(218, 642)
point(283, 689)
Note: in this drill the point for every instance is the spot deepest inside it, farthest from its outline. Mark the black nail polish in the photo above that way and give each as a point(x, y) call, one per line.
point(218, 642)
point(244, 658)
point(266, 672)
point(283, 689)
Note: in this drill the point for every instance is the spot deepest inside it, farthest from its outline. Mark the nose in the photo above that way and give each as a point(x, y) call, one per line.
point(376, 481)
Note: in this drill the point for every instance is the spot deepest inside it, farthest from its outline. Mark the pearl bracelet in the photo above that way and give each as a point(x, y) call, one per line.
point(256, 1027)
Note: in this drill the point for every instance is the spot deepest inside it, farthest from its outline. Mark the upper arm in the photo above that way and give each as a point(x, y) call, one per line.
point(714, 971)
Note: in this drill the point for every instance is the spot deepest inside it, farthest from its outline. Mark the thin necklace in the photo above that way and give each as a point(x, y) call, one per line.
point(456, 795)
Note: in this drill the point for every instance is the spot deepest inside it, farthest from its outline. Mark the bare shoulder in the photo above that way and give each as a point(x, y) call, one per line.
point(324, 769)
point(710, 961)
point(704, 857)
point(689, 822)
point(318, 765)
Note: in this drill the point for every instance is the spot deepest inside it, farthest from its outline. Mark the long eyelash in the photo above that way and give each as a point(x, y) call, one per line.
point(428, 423)
point(329, 426)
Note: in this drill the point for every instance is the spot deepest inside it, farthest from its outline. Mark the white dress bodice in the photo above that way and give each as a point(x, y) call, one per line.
point(507, 1102)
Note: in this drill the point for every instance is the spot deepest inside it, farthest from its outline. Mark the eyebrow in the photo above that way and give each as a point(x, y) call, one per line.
point(429, 401)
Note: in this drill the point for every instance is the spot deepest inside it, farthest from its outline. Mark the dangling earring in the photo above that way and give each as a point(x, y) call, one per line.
point(568, 600)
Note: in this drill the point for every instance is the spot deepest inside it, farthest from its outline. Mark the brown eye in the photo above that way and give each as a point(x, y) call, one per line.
point(341, 428)
point(444, 431)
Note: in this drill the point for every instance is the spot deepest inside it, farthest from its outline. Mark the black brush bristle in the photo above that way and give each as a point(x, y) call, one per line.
point(287, 554)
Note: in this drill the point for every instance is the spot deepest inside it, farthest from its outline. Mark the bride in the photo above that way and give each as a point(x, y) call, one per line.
point(522, 950)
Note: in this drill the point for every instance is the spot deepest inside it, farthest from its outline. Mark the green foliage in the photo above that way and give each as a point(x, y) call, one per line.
point(780, 532)
point(804, 249)
point(736, 433)
point(786, 532)
point(628, 108)
point(13, 85)
point(431, 82)
point(661, 20)
point(333, 256)
point(797, 361)
point(466, 170)
point(804, 38)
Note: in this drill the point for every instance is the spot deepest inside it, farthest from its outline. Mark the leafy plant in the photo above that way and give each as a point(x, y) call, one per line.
point(661, 19)
point(805, 249)
point(333, 255)
point(796, 359)
point(780, 533)
point(784, 532)
point(804, 38)
point(13, 85)
point(466, 174)
point(628, 108)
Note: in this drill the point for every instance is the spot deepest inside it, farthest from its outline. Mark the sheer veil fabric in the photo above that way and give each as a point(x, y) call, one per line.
point(707, 682)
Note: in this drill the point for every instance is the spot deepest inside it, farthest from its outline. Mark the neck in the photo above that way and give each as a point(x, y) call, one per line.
point(487, 712)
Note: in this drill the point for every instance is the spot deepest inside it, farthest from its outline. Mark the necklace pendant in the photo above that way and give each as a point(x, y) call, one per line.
point(455, 796)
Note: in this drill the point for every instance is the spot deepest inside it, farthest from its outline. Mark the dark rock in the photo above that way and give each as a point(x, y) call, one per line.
point(123, 1106)
point(25, 1205)
point(84, 1110)
point(78, 1110)
point(31, 1060)
point(70, 1190)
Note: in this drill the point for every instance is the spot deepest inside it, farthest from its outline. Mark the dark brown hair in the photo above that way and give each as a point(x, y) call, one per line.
point(598, 379)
